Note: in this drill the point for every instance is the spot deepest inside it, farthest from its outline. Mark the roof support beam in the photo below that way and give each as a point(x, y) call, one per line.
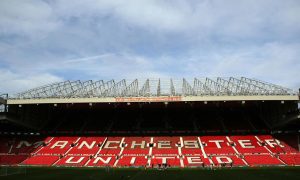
point(218, 86)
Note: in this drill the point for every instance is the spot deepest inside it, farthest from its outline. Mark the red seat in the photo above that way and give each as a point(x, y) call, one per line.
point(57, 146)
point(102, 161)
point(217, 145)
point(248, 145)
point(190, 146)
point(290, 159)
point(136, 146)
point(72, 161)
point(165, 146)
point(136, 151)
point(87, 146)
point(12, 159)
point(132, 161)
point(46, 160)
point(255, 160)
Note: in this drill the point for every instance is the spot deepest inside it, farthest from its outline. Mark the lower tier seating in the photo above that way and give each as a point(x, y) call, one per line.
point(290, 159)
point(41, 160)
point(12, 159)
point(262, 160)
point(176, 151)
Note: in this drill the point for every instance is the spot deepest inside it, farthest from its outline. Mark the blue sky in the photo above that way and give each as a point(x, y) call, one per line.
point(55, 40)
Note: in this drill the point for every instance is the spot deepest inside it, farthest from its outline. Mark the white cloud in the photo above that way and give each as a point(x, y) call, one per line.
point(26, 18)
point(96, 39)
point(273, 62)
point(109, 66)
point(161, 15)
point(12, 82)
point(232, 18)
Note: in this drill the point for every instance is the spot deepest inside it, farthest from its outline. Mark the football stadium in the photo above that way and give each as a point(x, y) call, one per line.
point(151, 129)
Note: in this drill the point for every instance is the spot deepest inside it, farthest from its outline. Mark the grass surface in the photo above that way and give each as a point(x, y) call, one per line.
point(69, 173)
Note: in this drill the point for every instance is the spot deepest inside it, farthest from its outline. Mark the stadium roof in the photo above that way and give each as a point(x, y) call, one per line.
point(156, 90)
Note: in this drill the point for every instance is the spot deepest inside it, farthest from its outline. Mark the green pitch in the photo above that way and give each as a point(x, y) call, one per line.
point(44, 173)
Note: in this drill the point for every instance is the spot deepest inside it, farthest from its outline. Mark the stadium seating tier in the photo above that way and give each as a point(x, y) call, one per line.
point(174, 151)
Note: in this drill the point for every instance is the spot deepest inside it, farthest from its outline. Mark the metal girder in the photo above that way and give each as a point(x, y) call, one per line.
point(145, 91)
point(79, 90)
point(131, 90)
point(172, 88)
point(36, 91)
point(187, 89)
point(97, 89)
point(218, 86)
point(201, 88)
point(61, 89)
point(3, 98)
point(226, 86)
point(158, 89)
point(270, 87)
point(253, 88)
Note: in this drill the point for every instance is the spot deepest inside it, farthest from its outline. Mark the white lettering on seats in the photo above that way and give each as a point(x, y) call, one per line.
point(191, 144)
point(89, 146)
point(224, 159)
point(273, 142)
point(164, 159)
point(60, 144)
point(132, 161)
point(102, 160)
point(134, 144)
point(246, 143)
point(164, 144)
point(194, 160)
point(38, 144)
point(25, 143)
point(107, 144)
point(217, 142)
point(69, 161)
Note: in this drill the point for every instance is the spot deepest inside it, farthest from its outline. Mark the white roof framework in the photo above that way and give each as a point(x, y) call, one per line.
point(218, 86)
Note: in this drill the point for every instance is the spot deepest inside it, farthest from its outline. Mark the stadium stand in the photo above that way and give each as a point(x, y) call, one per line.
point(202, 123)
point(176, 151)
